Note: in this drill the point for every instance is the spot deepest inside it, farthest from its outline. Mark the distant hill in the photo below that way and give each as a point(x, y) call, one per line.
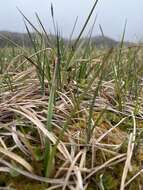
point(22, 39)
point(100, 41)
point(104, 41)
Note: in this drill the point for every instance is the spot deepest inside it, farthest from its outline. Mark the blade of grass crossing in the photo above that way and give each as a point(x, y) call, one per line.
point(81, 32)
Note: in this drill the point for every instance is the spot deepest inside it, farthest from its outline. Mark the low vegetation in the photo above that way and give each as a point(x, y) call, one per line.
point(71, 116)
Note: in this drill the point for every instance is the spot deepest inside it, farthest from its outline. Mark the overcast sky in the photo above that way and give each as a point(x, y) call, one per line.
point(111, 15)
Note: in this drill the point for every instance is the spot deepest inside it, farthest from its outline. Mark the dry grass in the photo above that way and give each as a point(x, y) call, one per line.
point(76, 164)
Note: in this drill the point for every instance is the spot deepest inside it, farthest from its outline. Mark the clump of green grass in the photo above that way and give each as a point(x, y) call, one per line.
point(70, 113)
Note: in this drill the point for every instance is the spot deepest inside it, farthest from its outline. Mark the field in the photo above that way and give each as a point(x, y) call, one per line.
point(71, 115)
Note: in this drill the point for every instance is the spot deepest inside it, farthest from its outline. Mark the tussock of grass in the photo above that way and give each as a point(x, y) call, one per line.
point(76, 163)
point(71, 117)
